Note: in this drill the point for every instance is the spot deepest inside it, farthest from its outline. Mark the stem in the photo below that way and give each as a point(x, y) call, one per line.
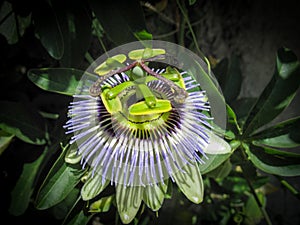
point(181, 31)
point(287, 185)
point(96, 26)
point(163, 16)
point(262, 208)
point(184, 13)
point(89, 58)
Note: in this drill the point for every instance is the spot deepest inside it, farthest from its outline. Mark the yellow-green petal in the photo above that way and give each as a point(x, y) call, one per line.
point(154, 195)
point(190, 182)
point(128, 201)
point(93, 186)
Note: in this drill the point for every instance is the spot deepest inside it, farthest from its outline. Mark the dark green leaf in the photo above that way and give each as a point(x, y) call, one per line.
point(282, 135)
point(278, 93)
point(23, 121)
point(229, 75)
point(209, 84)
point(192, 2)
point(76, 27)
point(62, 209)
point(282, 141)
point(12, 26)
point(253, 214)
point(48, 29)
point(21, 194)
point(59, 182)
point(5, 139)
point(119, 19)
point(80, 219)
point(235, 183)
point(213, 162)
point(222, 171)
point(273, 161)
point(59, 80)
point(241, 107)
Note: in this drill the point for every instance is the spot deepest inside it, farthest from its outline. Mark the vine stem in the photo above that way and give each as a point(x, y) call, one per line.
point(288, 186)
point(261, 207)
point(186, 18)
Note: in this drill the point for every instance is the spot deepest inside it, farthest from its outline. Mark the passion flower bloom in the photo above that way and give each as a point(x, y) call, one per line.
point(137, 127)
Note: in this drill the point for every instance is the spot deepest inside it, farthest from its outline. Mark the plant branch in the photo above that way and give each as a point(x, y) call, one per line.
point(184, 13)
point(288, 186)
point(249, 182)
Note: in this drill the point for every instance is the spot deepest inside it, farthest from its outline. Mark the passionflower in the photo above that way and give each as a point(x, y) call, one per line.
point(138, 123)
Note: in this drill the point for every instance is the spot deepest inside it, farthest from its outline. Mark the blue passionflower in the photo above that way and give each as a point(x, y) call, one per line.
point(136, 127)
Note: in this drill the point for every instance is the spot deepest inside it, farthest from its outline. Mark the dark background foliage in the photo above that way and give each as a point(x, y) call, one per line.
point(249, 32)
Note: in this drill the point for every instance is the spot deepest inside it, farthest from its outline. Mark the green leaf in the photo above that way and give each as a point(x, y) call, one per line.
point(192, 2)
point(208, 83)
point(48, 29)
point(59, 80)
point(119, 19)
point(278, 93)
point(273, 161)
point(154, 195)
point(232, 119)
point(282, 141)
point(23, 121)
point(128, 201)
point(59, 182)
point(235, 184)
point(80, 219)
point(242, 107)
point(190, 183)
point(93, 186)
point(102, 205)
point(143, 35)
point(253, 214)
point(76, 26)
point(62, 209)
point(5, 139)
point(21, 194)
point(221, 171)
point(229, 75)
point(13, 26)
point(213, 162)
point(281, 135)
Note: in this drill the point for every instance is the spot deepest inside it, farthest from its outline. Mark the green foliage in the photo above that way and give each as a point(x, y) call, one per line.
point(60, 181)
point(23, 121)
point(234, 184)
